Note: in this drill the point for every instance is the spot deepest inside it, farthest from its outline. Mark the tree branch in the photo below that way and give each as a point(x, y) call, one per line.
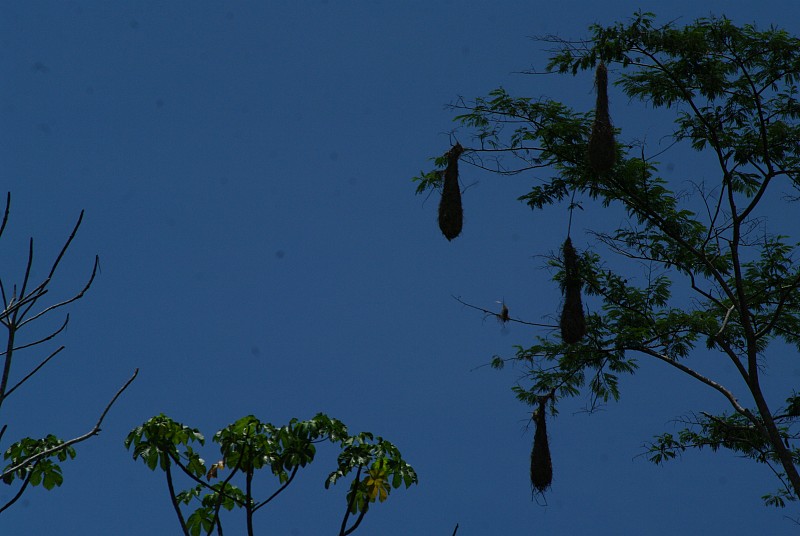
point(509, 319)
point(696, 375)
point(94, 431)
point(19, 493)
point(174, 500)
point(289, 481)
point(34, 371)
point(76, 297)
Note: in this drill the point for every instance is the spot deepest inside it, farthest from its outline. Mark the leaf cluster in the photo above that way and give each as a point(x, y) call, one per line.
point(735, 433)
point(44, 470)
point(249, 446)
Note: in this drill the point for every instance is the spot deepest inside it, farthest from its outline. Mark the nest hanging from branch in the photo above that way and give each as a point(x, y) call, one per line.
point(541, 464)
point(451, 215)
point(602, 148)
point(572, 322)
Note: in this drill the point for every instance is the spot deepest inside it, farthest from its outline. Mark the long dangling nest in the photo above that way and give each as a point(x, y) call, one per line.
point(541, 464)
point(573, 323)
point(602, 148)
point(451, 215)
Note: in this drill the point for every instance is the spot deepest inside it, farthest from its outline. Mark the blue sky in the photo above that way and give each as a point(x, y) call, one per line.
point(245, 170)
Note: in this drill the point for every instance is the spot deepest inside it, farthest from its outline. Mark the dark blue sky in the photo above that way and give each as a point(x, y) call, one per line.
point(245, 173)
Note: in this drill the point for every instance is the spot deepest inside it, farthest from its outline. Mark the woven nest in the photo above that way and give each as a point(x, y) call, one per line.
point(541, 464)
point(451, 215)
point(572, 322)
point(602, 150)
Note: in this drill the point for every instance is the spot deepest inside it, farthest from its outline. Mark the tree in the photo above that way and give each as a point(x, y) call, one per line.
point(250, 445)
point(715, 278)
point(35, 461)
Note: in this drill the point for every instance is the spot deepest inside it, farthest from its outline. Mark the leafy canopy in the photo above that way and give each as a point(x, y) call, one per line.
point(250, 446)
point(732, 92)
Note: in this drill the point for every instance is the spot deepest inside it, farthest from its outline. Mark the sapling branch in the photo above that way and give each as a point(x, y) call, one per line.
point(279, 490)
point(358, 521)
point(248, 506)
point(173, 498)
point(19, 493)
point(351, 502)
point(206, 485)
point(221, 493)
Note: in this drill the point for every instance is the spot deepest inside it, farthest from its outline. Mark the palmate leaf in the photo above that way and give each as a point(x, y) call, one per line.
point(43, 471)
point(248, 445)
point(377, 481)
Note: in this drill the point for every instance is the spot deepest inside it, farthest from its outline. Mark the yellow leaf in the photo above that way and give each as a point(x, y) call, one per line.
point(377, 485)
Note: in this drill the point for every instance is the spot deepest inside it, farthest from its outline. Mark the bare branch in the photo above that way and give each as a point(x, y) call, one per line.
point(94, 431)
point(696, 375)
point(78, 296)
point(5, 215)
point(174, 500)
point(28, 267)
point(40, 341)
point(66, 246)
point(34, 371)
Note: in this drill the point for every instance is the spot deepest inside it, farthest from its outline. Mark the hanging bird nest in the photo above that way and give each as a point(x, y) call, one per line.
point(451, 215)
point(573, 322)
point(602, 147)
point(541, 464)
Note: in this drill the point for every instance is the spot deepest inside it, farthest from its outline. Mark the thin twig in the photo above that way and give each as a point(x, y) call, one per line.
point(44, 339)
point(78, 296)
point(510, 319)
point(28, 267)
point(34, 371)
point(174, 500)
point(66, 245)
point(289, 481)
point(5, 215)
